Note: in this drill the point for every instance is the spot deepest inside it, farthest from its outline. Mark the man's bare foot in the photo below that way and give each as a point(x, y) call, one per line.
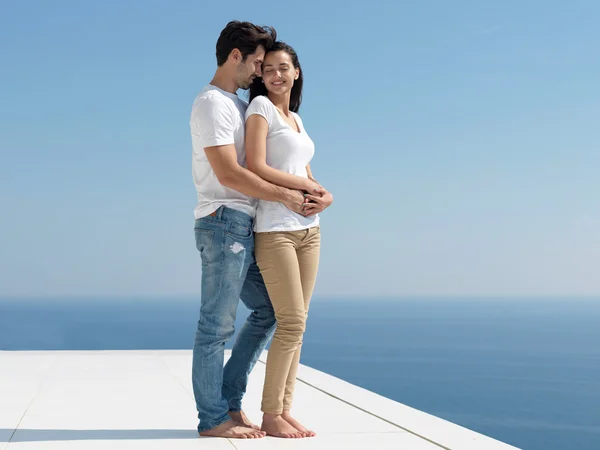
point(297, 425)
point(241, 418)
point(233, 430)
point(274, 425)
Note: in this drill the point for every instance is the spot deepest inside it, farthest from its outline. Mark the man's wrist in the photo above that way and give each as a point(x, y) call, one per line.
point(284, 194)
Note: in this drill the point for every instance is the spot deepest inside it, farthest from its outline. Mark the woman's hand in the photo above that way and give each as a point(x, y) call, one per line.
point(312, 187)
point(317, 203)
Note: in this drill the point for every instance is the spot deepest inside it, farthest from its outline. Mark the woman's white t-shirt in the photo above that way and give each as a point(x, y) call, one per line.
point(289, 151)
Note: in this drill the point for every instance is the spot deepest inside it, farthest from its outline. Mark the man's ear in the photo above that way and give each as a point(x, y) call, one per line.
point(236, 55)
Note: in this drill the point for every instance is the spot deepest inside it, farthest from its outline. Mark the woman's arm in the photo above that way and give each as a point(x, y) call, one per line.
point(317, 203)
point(256, 158)
point(310, 175)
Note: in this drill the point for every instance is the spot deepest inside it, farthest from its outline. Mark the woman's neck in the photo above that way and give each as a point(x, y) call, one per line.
point(281, 102)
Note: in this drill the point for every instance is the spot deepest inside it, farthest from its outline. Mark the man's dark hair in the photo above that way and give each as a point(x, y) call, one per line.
point(244, 36)
point(258, 88)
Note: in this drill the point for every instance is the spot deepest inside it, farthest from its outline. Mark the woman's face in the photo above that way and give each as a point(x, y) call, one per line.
point(278, 72)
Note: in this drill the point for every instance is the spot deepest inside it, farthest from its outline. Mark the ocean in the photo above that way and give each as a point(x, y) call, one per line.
point(524, 371)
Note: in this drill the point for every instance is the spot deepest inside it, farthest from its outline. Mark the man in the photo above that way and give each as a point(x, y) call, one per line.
point(223, 229)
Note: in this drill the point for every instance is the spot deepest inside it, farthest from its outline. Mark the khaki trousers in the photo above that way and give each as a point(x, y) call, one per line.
point(288, 262)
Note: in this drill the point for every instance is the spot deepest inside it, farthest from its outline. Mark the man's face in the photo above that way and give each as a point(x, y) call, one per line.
point(249, 69)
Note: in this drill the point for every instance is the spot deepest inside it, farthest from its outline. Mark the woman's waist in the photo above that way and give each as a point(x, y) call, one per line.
point(275, 214)
point(298, 169)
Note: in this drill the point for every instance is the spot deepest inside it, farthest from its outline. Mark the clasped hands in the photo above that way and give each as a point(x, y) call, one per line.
point(316, 199)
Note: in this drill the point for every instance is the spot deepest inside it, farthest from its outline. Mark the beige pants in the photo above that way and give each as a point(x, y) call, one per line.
point(288, 262)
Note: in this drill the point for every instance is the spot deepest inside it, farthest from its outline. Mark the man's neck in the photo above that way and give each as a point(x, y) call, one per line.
point(224, 81)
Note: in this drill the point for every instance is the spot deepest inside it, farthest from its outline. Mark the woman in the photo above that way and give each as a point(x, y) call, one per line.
point(287, 244)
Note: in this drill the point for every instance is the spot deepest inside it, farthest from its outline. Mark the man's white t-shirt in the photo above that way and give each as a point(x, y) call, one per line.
point(289, 151)
point(217, 119)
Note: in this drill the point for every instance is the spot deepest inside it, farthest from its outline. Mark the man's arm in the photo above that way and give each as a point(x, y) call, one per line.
point(212, 127)
point(223, 159)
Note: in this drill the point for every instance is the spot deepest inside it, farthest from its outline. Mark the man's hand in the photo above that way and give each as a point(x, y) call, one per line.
point(295, 201)
point(317, 203)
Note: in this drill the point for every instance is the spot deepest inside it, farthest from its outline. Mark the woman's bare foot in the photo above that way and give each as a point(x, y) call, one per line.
point(297, 425)
point(241, 418)
point(233, 430)
point(275, 425)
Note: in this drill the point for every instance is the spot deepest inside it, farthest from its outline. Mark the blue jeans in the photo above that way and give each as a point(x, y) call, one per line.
point(229, 272)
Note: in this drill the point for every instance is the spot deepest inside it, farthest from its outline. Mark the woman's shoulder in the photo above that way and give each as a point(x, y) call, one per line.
point(260, 101)
point(262, 106)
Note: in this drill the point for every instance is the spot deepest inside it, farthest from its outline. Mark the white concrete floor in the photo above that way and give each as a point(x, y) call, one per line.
point(143, 400)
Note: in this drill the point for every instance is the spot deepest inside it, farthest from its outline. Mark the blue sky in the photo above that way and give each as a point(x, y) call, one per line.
point(460, 140)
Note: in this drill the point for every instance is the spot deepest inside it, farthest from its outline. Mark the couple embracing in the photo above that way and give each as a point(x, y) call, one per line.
point(256, 228)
